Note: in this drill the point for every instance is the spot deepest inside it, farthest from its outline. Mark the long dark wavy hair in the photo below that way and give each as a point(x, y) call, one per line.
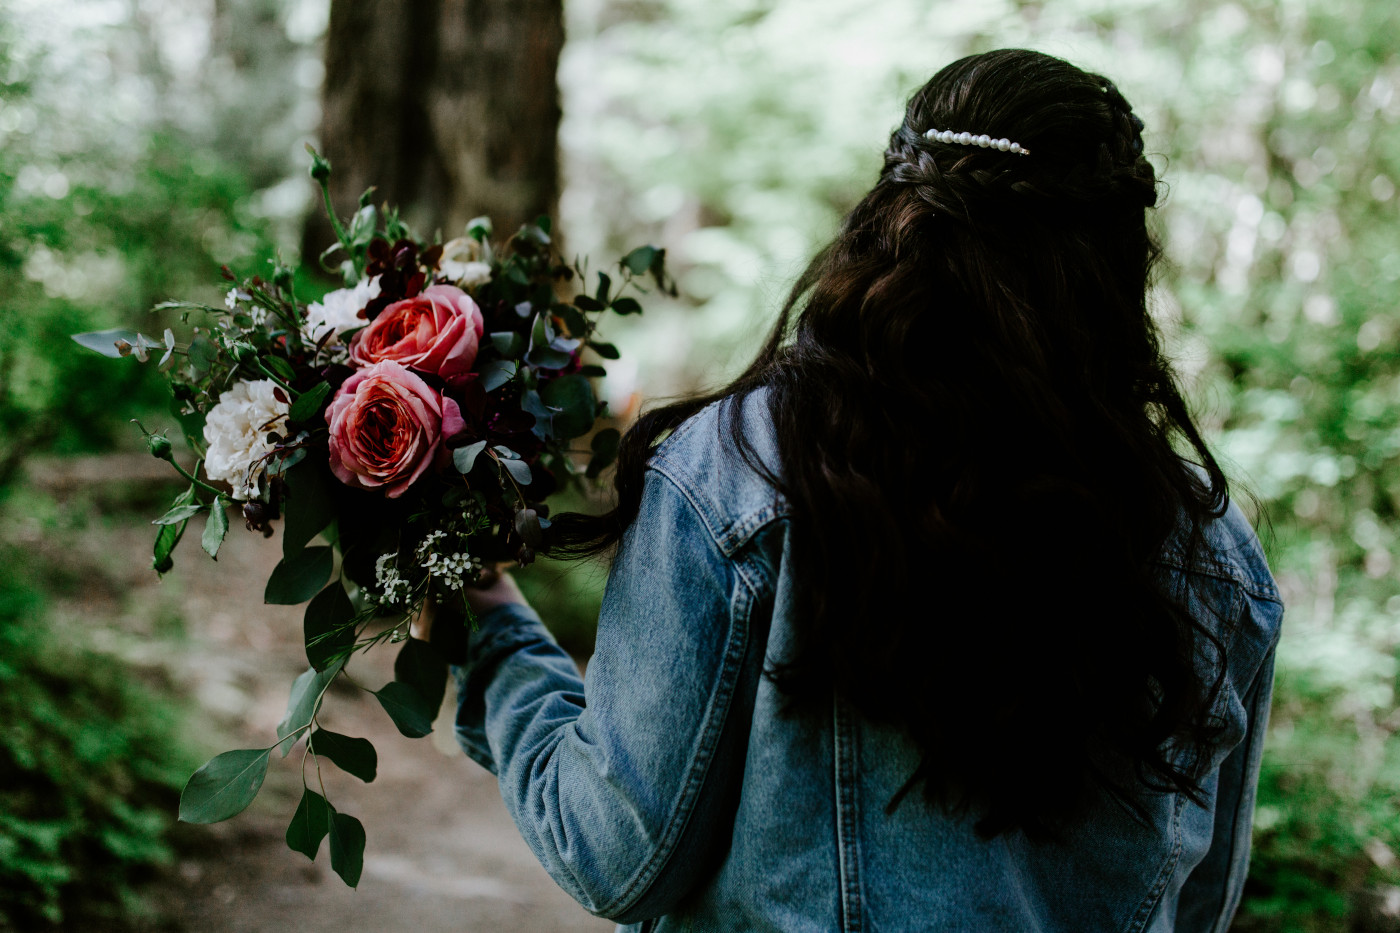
point(984, 450)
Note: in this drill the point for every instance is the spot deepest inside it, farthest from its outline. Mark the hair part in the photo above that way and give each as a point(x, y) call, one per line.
point(981, 443)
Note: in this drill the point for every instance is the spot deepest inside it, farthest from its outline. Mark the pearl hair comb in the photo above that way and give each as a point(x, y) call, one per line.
point(968, 139)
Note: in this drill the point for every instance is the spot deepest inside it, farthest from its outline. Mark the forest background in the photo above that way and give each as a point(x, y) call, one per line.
point(144, 143)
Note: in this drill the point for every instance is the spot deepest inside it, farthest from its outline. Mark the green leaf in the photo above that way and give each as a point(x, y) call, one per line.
point(423, 668)
point(363, 224)
point(309, 824)
point(309, 402)
point(169, 535)
point(106, 341)
point(497, 373)
point(508, 343)
point(180, 513)
point(297, 578)
point(604, 287)
point(606, 350)
point(464, 458)
point(280, 366)
point(573, 396)
point(479, 228)
point(544, 417)
point(328, 626)
point(640, 259)
point(224, 786)
point(305, 699)
point(627, 306)
point(409, 709)
point(519, 471)
point(309, 508)
point(347, 848)
point(573, 319)
point(351, 755)
point(593, 370)
point(586, 303)
point(605, 444)
point(203, 353)
point(215, 527)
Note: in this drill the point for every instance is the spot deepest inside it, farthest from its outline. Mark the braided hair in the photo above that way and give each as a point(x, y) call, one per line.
point(981, 444)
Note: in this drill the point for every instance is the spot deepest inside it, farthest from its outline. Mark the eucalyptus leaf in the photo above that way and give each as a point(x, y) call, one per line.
point(627, 305)
point(328, 626)
point(607, 351)
point(422, 667)
point(519, 471)
point(508, 343)
point(548, 358)
point(409, 709)
point(587, 303)
point(544, 416)
point(224, 786)
point(305, 699)
point(573, 396)
point(347, 848)
point(604, 287)
point(297, 578)
point(309, 824)
point(497, 373)
point(351, 755)
point(464, 458)
point(310, 505)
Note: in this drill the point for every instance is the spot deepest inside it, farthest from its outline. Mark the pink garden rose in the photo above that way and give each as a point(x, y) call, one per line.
point(387, 428)
point(437, 332)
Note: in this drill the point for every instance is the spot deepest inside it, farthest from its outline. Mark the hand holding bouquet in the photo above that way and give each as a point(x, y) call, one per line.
point(415, 422)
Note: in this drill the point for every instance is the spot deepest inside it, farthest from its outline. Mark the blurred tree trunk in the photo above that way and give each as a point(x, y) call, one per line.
point(449, 107)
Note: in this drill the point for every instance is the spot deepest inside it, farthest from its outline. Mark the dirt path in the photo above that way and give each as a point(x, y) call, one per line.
point(442, 853)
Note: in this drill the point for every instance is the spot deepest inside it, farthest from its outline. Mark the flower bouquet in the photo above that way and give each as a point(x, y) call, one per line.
point(406, 431)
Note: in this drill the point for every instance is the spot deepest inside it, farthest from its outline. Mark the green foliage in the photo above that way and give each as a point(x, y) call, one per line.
point(91, 765)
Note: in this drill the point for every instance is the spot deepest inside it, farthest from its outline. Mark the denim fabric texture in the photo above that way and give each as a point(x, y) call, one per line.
point(675, 797)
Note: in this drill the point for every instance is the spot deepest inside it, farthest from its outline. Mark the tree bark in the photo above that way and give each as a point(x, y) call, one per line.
point(449, 107)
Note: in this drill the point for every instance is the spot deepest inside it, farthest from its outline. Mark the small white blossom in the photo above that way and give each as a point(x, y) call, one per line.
point(393, 587)
point(233, 297)
point(339, 311)
point(258, 314)
point(236, 431)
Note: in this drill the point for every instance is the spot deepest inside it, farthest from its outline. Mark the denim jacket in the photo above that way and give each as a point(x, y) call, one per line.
point(665, 790)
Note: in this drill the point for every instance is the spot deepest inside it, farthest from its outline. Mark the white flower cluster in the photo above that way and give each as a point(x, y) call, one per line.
point(453, 570)
point(236, 431)
point(339, 311)
point(256, 313)
point(393, 588)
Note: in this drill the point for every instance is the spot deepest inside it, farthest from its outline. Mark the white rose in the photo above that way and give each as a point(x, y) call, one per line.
point(339, 311)
point(236, 431)
point(461, 263)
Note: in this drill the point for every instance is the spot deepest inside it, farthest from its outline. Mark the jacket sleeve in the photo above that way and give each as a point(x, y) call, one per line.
point(622, 795)
point(1212, 893)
